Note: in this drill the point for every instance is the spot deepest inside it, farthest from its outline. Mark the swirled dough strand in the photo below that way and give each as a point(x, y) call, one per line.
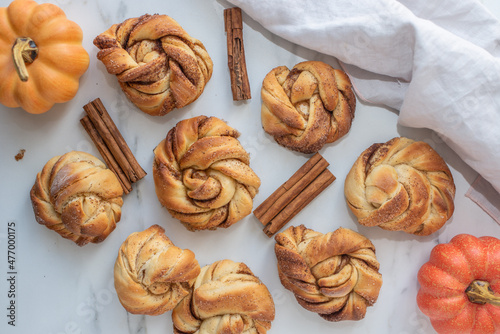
point(333, 274)
point(202, 174)
point(226, 298)
point(308, 106)
point(401, 185)
point(77, 196)
point(151, 274)
point(159, 66)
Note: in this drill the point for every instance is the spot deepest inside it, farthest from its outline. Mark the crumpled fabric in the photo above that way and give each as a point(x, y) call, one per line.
point(437, 62)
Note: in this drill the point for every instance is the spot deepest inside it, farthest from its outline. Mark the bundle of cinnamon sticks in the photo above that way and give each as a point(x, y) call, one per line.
point(110, 143)
point(291, 197)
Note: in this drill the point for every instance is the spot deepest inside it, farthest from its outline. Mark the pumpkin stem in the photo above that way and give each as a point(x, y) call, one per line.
point(24, 51)
point(480, 292)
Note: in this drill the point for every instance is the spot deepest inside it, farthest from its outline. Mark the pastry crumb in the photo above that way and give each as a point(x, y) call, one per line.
point(20, 155)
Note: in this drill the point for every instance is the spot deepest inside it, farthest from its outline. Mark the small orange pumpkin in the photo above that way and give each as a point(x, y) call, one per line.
point(41, 56)
point(460, 286)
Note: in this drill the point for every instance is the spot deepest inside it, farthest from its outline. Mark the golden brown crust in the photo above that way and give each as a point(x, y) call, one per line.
point(401, 185)
point(202, 176)
point(334, 274)
point(226, 298)
point(151, 274)
point(77, 196)
point(308, 106)
point(158, 65)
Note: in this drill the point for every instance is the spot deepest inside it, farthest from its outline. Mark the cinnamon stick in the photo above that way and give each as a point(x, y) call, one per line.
point(110, 143)
point(106, 154)
point(97, 120)
point(137, 169)
point(240, 85)
point(290, 189)
point(298, 203)
point(291, 197)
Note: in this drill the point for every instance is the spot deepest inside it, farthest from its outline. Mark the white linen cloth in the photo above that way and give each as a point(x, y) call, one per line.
point(437, 62)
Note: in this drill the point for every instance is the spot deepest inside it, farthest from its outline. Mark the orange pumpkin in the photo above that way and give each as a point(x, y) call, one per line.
point(460, 286)
point(41, 56)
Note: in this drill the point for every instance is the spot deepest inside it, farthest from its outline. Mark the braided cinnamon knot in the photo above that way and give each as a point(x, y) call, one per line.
point(308, 106)
point(202, 174)
point(401, 185)
point(226, 298)
point(77, 196)
point(151, 274)
point(334, 274)
point(158, 65)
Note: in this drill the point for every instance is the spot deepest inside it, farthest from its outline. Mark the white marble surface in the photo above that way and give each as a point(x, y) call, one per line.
point(62, 288)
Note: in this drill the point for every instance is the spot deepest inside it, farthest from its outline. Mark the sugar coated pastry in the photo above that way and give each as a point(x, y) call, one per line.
point(158, 65)
point(77, 196)
point(151, 274)
point(333, 274)
point(401, 185)
point(202, 174)
point(226, 298)
point(308, 106)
